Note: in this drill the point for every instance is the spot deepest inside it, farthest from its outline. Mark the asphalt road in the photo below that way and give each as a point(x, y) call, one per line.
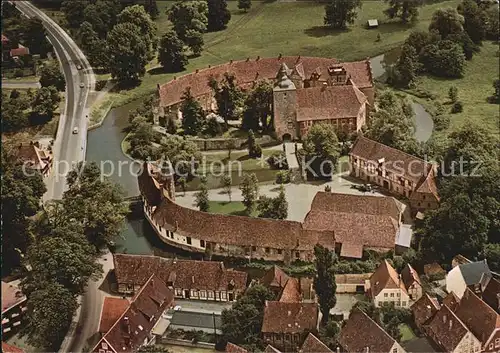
point(20, 85)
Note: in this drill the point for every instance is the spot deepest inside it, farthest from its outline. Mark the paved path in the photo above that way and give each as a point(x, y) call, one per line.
point(291, 157)
point(20, 84)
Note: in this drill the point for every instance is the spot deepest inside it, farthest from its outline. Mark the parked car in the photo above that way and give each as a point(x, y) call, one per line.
point(75, 130)
point(363, 187)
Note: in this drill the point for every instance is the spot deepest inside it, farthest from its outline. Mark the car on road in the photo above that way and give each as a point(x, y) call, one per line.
point(82, 84)
point(75, 130)
point(363, 187)
point(78, 67)
point(177, 308)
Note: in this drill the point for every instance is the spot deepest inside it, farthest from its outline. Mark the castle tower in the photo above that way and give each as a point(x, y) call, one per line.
point(337, 75)
point(163, 172)
point(285, 105)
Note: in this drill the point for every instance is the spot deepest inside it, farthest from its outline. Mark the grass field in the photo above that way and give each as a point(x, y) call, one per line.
point(407, 332)
point(230, 208)
point(239, 159)
point(289, 28)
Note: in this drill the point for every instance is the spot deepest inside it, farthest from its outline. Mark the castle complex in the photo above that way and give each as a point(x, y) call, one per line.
point(307, 90)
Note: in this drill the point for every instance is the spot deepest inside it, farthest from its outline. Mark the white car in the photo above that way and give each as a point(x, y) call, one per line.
point(177, 308)
point(82, 84)
point(75, 130)
point(78, 67)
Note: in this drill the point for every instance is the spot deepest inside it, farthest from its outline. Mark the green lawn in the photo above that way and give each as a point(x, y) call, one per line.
point(406, 332)
point(239, 159)
point(230, 208)
point(289, 28)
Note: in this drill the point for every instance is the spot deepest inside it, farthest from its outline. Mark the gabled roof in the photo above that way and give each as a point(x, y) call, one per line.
point(478, 316)
point(473, 272)
point(36, 157)
point(433, 269)
point(451, 300)
point(274, 277)
point(313, 345)
point(232, 348)
point(385, 277)
point(424, 309)
point(271, 349)
point(491, 294)
point(428, 185)
point(7, 348)
point(11, 295)
point(446, 329)
point(282, 317)
point(410, 276)
point(112, 309)
point(291, 292)
point(360, 332)
point(21, 51)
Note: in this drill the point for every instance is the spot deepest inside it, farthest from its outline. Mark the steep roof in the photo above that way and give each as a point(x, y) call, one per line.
point(282, 317)
point(132, 328)
point(8, 348)
point(491, 294)
point(291, 292)
point(271, 349)
point(313, 345)
point(112, 309)
point(473, 272)
point(395, 161)
point(478, 316)
point(385, 277)
point(424, 309)
point(410, 276)
point(428, 185)
point(446, 329)
point(232, 348)
point(329, 102)
point(11, 295)
point(360, 332)
point(37, 158)
point(433, 269)
point(187, 274)
point(451, 300)
point(274, 277)
point(21, 51)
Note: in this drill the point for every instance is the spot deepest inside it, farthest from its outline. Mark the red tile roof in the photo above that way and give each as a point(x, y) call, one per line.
point(451, 301)
point(186, 274)
point(36, 157)
point(232, 348)
point(291, 292)
point(282, 317)
point(478, 316)
point(385, 277)
point(248, 71)
point(271, 349)
point(21, 51)
point(7, 348)
point(274, 277)
point(424, 309)
point(446, 329)
point(133, 327)
point(433, 269)
point(313, 345)
point(491, 294)
point(360, 332)
point(410, 276)
point(11, 295)
point(112, 309)
point(329, 102)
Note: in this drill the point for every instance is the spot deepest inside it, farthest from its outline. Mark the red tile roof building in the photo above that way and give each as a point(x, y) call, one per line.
point(396, 171)
point(189, 279)
point(412, 282)
point(35, 157)
point(313, 345)
point(13, 307)
point(232, 348)
point(112, 310)
point(7, 348)
point(491, 294)
point(133, 328)
point(423, 310)
point(387, 287)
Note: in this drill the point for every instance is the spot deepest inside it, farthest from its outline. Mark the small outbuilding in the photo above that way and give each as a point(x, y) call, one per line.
point(373, 23)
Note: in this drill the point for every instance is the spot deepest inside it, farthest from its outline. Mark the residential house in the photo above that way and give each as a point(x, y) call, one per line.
point(288, 289)
point(451, 334)
point(361, 334)
point(313, 345)
point(481, 320)
point(358, 222)
point(233, 348)
point(475, 275)
point(395, 171)
point(286, 325)
point(434, 271)
point(13, 307)
point(275, 279)
point(35, 157)
point(491, 294)
point(271, 349)
point(423, 310)
point(112, 310)
point(385, 286)
point(451, 301)
point(352, 283)
point(135, 326)
point(412, 282)
point(20, 51)
point(189, 279)
point(8, 348)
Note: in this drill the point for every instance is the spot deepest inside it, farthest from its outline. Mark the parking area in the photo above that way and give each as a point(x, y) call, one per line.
point(344, 304)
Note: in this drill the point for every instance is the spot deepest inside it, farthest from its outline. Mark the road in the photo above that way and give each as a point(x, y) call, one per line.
point(20, 85)
point(69, 149)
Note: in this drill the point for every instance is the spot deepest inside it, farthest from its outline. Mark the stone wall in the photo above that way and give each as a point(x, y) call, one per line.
point(213, 144)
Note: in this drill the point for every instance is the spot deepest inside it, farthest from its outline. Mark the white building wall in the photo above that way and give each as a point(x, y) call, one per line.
point(396, 348)
point(396, 296)
point(455, 282)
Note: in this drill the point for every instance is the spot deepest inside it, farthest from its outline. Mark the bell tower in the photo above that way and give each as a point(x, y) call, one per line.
point(285, 105)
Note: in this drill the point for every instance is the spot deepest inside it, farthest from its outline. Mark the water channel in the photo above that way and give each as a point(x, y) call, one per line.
point(104, 148)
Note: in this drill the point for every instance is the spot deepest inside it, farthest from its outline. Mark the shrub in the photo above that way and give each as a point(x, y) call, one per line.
point(283, 177)
point(441, 122)
point(457, 107)
point(453, 93)
point(278, 160)
point(328, 188)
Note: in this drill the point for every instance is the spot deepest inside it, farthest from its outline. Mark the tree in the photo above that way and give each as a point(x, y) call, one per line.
point(322, 146)
point(444, 58)
point(446, 22)
point(273, 207)
point(226, 183)
point(250, 191)
point(244, 5)
point(201, 197)
point(151, 8)
point(35, 37)
point(73, 11)
point(283, 177)
point(218, 15)
point(193, 117)
point(258, 106)
point(243, 322)
point(95, 202)
point(51, 75)
point(140, 140)
point(13, 117)
point(406, 10)
point(340, 13)
point(453, 93)
point(228, 96)
point(188, 15)
point(184, 154)
point(171, 126)
point(419, 39)
point(171, 53)
point(50, 313)
point(475, 20)
point(137, 15)
point(496, 87)
point(102, 15)
point(329, 334)
point(194, 40)
point(212, 127)
point(128, 53)
point(94, 47)
point(324, 281)
point(254, 150)
point(407, 66)
point(491, 252)
point(45, 103)
point(493, 27)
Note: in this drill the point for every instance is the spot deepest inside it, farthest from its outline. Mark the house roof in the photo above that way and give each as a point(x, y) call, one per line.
point(291, 292)
point(385, 277)
point(478, 316)
point(410, 276)
point(446, 329)
point(131, 329)
point(37, 158)
point(271, 349)
point(433, 268)
point(313, 345)
point(11, 295)
point(424, 309)
point(451, 300)
point(329, 102)
point(4, 38)
point(21, 51)
point(232, 348)
point(491, 294)
point(112, 309)
point(428, 185)
point(352, 278)
point(349, 203)
point(274, 277)
point(361, 332)
point(8, 348)
point(186, 274)
point(395, 161)
point(282, 317)
point(249, 71)
point(473, 272)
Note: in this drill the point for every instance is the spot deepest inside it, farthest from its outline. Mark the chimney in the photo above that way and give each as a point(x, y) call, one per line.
point(192, 279)
point(279, 56)
point(209, 66)
point(338, 349)
point(197, 70)
point(231, 61)
point(289, 313)
point(158, 86)
point(444, 319)
point(451, 324)
point(248, 59)
point(367, 349)
point(258, 58)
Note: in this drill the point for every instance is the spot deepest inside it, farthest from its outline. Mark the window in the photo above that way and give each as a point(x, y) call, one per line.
point(203, 294)
point(428, 204)
point(491, 346)
point(188, 240)
point(398, 304)
point(399, 294)
point(392, 295)
point(223, 295)
point(280, 251)
point(178, 291)
point(210, 294)
point(202, 243)
point(297, 254)
point(385, 295)
point(497, 342)
point(394, 350)
point(268, 250)
point(254, 248)
point(102, 351)
point(386, 302)
point(104, 345)
point(403, 303)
